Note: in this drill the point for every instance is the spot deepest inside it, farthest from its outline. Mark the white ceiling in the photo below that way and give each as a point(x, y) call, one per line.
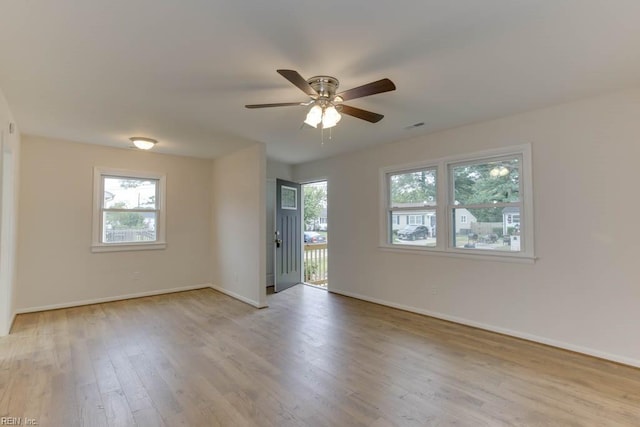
point(101, 71)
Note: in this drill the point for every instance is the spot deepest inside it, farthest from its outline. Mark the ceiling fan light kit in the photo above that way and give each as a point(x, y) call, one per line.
point(314, 116)
point(326, 104)
point(325, 114)
point(331, 117)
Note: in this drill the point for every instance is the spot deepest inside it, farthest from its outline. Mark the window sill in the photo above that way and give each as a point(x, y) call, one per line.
point(514, 258)
point(128, 247)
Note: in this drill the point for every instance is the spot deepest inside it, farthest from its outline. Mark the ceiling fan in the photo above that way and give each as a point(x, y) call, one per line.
point(326, 103)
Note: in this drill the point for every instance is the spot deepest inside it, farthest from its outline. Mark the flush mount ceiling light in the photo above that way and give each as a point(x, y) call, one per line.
point(143, 143)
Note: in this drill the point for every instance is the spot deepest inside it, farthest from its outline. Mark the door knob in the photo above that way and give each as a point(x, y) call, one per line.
point(278, 242)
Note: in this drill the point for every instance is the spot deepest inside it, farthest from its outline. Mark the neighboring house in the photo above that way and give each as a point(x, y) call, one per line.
point(510, 219)
point(464, 219)
point(400, 219)
point(319, 223)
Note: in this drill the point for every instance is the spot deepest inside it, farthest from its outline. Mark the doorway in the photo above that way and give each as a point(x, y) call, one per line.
point(316, 234)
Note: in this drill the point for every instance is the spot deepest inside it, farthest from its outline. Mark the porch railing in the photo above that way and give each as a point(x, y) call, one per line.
point(315, 264)
point(129, 235)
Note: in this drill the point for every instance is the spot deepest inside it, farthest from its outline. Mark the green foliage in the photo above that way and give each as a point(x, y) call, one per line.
point(474, 184)
point(310, 269)
point(413, 187)
point(315, 198)
point(124, 220)
point(150, 202)
point(132, 183)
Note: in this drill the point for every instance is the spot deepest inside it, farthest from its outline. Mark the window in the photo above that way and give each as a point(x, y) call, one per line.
point(412, 195)
point(487, 191)
point(483, 200)
point(128, 210)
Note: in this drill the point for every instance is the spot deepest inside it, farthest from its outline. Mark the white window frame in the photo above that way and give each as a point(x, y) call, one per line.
point(408, 212)
point(444, 182)
point(463, 219)
point(99, 173)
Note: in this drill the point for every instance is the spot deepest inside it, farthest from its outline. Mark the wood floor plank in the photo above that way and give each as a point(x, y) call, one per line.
point(311, 359)
point(117, 409)
point(90, 405)
point(148, 417)
point(133, 389)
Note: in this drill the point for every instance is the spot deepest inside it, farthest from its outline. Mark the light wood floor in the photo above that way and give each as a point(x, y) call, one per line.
point(200, 358)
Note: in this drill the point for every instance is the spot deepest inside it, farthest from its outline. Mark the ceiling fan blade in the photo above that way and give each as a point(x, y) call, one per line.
point(361, 114)
point(380, 86)
point(299, 81)
point(279, 104)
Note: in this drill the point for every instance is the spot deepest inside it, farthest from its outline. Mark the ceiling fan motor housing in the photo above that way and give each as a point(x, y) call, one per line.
point(326, 86)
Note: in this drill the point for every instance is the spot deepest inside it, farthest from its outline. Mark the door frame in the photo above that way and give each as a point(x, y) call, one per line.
point(302, 183)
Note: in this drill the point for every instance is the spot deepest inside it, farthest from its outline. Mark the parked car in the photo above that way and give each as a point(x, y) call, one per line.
point(313, 237)
point(413, 232)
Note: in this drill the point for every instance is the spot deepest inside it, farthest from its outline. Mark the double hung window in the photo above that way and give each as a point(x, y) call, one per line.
point(486, 193)
point(483, 202)
point(412, 207)
point(128, 210)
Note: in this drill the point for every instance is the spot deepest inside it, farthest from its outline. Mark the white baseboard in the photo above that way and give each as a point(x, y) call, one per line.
point(109, 299)
point(239, 297)
point(523, 335)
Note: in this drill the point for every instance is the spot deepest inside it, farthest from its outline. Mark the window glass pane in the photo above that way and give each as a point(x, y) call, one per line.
point(487, 182)
point(128, 227)
point(493, 229)
point(416, 228)
point(413, 189)
point(288, 197)
point(129, 193)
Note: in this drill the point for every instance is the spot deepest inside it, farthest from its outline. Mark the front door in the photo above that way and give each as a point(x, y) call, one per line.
point(288, 238)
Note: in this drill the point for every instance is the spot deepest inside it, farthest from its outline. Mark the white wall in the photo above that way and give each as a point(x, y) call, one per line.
point(275, 170)
point(239, 224)
point(55, 264)
point(583, 293)
point(9, 162)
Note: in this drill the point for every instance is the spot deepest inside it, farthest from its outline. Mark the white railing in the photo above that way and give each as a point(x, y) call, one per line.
point(315, 264)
